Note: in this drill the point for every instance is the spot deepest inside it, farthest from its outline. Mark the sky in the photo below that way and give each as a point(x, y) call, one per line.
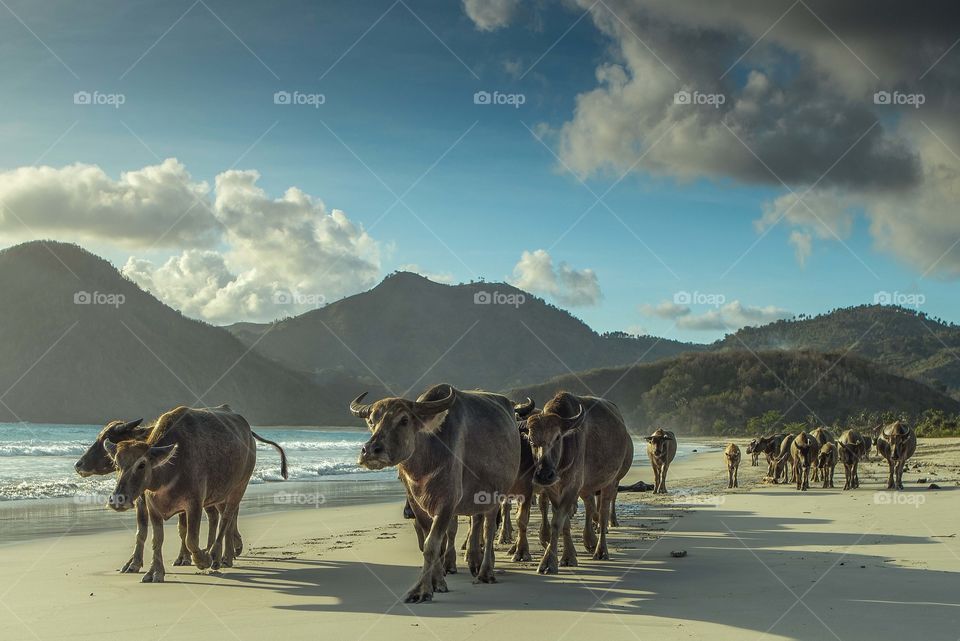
point(677, 169)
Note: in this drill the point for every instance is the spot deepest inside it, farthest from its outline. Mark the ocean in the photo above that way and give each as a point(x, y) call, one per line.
point(42, 495)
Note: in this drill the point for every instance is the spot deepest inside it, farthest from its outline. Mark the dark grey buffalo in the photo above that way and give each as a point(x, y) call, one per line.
point(580, 448)
point(97, 462)
point(661, 449)
point(190, 460)
point(458, 453)
point(803, 453)
point(852, 448)
point(897, 443)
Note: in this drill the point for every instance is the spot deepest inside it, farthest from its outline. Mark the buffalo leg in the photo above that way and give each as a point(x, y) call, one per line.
point(589, 534)
point(213, 524)
point(656, 478)
point(663, 478)
point(561, 511)
point(506, 529)
point(156, 572)
point(521, 549)
point(431, 576)
point(890, 477)
point(485, 575)
point(601, 553)
point(136, 561)
point(472, 557)
point(569, 556)
point(183, 557)
point(544, 520)
point(736, 476)
point(200, 556)
point(614, 521)
point(450, 550)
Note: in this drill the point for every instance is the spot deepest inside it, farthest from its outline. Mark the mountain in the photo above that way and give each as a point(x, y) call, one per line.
point(720, 392)
point(409, 332)
point(82, 344)
point(904, 341)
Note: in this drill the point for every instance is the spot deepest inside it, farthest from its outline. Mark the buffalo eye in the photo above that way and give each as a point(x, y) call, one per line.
point(142, 465)
point(404, 421)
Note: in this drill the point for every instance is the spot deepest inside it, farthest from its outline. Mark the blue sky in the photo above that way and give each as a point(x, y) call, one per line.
point(399, 108)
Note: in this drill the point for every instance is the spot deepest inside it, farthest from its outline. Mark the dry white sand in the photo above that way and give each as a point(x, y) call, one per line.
point(761, 561)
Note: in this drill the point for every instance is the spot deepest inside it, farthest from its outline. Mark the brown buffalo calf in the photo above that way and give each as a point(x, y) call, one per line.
point(732, 456)
point(661, 448)
point(827, 463)
point(803, 453)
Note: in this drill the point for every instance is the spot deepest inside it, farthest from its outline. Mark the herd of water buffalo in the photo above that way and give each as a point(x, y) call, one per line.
point(458, 453)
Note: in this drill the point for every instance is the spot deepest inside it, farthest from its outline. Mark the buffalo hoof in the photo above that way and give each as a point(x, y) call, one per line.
point(203, 560)
point(132, 566)
point(522, 555)
point(548, 566)
point(183, 559)
point(226, 562)
point(601, 555)
point(590, 546)
point(614, 522)
point(153, 576)
point(569, 561)
point(419, 594)
point(237, 545)
point(485, 577)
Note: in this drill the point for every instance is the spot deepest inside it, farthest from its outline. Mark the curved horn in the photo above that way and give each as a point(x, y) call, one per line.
point(427, 408)
point(523, 410)
point(572, 422)
point(359, 410)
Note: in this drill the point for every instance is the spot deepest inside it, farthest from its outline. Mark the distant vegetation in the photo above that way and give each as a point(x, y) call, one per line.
point(726, 393)
point(905, 341)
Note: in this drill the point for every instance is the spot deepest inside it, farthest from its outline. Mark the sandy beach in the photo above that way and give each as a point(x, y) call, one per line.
point(762, 562)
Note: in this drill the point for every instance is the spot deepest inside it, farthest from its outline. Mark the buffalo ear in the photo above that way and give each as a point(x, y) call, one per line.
point(649, 439)
point(668, 437)
point(161, 455)
point(435, 422)
point(111, 448)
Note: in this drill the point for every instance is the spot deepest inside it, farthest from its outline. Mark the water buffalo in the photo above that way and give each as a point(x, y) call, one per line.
point(580, 447)
point(827, 463)
point(190, 460)
point(852, 447)
point(457, 453)
point(769, 446)
point(96, 462)
point(803, 452)
point(754, 451)
point(661, 448)
point(822, 436)
point(782, 466)
point(897, 443)
point(731, 454)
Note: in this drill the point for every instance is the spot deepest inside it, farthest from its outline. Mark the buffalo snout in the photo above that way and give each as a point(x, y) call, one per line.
point(373, 455)
point(545, 476)
point(119, 502)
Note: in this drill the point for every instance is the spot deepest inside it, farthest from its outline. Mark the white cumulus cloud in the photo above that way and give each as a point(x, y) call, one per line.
point(489, 15)
point(535, 272)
